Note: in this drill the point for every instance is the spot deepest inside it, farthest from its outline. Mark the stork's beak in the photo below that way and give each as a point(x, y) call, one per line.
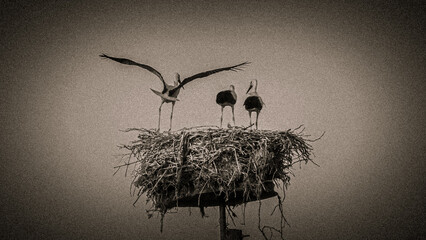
point(251, 85)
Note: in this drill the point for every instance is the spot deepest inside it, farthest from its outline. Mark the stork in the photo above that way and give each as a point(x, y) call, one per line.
point(227, 98)
point(253, 102)
point(170, 92)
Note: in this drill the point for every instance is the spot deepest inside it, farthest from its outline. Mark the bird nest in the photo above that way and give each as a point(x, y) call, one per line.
point(207, 166)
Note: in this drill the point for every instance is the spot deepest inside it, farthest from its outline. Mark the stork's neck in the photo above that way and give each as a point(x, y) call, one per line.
point(177, 81)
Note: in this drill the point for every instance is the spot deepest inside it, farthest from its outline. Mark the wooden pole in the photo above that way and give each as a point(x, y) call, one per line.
point(222, 221)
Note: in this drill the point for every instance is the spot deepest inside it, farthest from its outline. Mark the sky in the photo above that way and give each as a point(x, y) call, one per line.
point(351, 69)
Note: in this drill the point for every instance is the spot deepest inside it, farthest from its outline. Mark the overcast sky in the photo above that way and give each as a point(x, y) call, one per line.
point(354, 70)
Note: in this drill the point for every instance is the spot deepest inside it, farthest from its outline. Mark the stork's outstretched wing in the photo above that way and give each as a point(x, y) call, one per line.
point(205, 74)
point(130, 62)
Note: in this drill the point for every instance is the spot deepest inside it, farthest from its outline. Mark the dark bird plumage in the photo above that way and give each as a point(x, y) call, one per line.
point(227, 98)
point(170, 92)
point(253, 102)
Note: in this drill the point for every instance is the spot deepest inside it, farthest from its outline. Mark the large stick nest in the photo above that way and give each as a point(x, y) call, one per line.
point(193, 162)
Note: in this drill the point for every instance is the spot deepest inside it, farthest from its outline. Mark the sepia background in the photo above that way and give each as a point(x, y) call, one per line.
point(354, 70)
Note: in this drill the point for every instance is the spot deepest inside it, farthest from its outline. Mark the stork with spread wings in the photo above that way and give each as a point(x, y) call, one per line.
point(170, 92)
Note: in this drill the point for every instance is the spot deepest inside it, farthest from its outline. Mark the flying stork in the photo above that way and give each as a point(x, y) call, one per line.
point(253, 102)
point(170, 92)
point(227, 98)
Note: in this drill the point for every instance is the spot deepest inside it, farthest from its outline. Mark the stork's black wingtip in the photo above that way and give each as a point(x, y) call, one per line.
point(103, 55)
point(243, 64)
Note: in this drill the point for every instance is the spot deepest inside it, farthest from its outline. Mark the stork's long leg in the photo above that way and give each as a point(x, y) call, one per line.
point(159, 116)
point(233, 116)
point(257, 117)
point(250, 119)
point(171, 116)
point(221, 118)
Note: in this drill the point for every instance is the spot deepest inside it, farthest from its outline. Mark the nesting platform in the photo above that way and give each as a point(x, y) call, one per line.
point(205, 166)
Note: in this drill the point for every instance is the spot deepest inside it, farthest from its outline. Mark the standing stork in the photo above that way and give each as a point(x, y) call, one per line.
point(170, 92)
point(227, 98)
point(253, 102)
